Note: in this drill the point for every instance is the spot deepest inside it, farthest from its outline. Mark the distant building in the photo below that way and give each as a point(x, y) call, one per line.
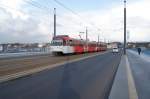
point(24, 47)
point(1, 48)
point(138, 44)
point(114, 45)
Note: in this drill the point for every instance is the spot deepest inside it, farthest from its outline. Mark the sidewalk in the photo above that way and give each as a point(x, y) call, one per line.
point(143, 56)
point(132, 78)
point(140, 65)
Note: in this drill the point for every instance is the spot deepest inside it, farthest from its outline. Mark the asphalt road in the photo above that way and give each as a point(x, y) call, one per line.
point(18, 64)
point(86, 79)
point(141, 72)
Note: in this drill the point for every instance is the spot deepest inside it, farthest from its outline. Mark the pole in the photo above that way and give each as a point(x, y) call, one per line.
point(124, 27)
point(86, 35)
point(86, 39)
point(54, 22)
point(98, 44)
point(98, 39)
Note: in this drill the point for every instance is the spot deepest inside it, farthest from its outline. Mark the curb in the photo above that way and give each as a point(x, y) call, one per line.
point(124, 85)
point(131, 84)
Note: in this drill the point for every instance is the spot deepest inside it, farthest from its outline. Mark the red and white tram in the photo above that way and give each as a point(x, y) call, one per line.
point(63, 44)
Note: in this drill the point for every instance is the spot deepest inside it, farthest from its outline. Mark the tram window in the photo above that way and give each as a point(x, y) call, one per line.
point(57, 43)
point(67, 42)
point(64, 42)
point(70, 42)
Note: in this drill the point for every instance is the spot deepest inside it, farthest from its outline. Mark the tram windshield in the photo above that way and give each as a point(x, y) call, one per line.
point(57, 42)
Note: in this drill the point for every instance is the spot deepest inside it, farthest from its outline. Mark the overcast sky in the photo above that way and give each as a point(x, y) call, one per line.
point(21, 21)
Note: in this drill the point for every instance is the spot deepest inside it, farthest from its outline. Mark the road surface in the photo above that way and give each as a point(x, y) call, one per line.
point(86, 79)
point(18, 64)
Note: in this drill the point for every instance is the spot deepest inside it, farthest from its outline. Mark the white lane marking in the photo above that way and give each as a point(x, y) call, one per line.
point(35, 70)
point(131, 84)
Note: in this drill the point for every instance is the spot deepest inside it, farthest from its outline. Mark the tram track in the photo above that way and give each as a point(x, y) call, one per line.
point(14, 65)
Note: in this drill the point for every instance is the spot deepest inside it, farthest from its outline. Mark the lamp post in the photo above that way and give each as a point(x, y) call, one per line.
point(124, 27)
point(54, 22)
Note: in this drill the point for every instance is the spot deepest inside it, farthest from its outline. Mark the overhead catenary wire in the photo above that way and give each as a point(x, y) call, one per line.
point(45, 8)
point(64, 6)
point(42, 6)
point(11, 8)
point(34, 4)
point(75, 13)
point(37, 5)
point(84, 21)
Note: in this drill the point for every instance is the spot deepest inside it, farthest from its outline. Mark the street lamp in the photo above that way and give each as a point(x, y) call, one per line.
point(54, 22)
point(124, 27)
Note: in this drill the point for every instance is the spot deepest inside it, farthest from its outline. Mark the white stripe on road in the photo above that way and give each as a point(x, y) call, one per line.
point(131, 84)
